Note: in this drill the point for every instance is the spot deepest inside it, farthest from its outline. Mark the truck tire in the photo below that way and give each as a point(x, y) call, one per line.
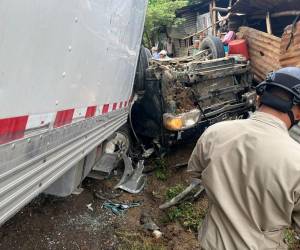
point(120, 142)
point(139, 80)
point(215, 47)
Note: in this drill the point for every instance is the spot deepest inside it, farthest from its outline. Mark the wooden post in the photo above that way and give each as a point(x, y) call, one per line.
point(214, 17)
point(268, 23)
point(211, 14)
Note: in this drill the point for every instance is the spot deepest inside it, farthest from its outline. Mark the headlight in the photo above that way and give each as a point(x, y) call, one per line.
point(181, 121)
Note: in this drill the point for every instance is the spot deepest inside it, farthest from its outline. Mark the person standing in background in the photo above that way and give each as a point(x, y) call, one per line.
point(155, 54)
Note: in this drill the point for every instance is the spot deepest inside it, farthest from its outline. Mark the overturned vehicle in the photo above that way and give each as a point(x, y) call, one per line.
point(180, 98)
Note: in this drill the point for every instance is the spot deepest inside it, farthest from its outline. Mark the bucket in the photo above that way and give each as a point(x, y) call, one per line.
point(238, 47)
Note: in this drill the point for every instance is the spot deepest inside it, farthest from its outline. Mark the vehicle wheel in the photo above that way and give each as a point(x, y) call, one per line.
point(214, 46)
point(120, 143)
point(139, 80)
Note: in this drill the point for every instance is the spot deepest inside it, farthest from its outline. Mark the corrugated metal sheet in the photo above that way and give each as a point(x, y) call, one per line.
point(290, 56)
point(264, 50)
point(188, 27)
point(261, 6)
point(190, 24)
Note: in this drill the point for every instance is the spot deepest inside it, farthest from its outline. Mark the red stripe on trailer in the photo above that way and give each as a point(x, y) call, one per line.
point(12, 128)
point(105, 108)
point(90, 112)
point(120, 105)
point(125, 104)
point(63, 117)
point(114, 106)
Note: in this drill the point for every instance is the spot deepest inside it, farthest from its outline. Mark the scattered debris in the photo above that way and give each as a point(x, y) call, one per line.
point(133, 180)
point(148, 152)
point(195, 183)
point(150, 225)
point(181, 165)
point(119, 208)
point(89, 206)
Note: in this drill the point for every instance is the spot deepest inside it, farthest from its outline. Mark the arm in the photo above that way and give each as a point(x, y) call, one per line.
point(197, 162)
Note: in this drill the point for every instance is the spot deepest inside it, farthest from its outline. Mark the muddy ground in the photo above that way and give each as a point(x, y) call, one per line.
point(67, 223)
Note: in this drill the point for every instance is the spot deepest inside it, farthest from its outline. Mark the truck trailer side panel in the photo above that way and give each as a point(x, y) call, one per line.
point(66, 76)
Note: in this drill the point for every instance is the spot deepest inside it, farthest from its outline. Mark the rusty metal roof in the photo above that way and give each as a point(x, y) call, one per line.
point(254, 7)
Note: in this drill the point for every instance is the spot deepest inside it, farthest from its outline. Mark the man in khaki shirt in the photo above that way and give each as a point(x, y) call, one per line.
point(251, 171)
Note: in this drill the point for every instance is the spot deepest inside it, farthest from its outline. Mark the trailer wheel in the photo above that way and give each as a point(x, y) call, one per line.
point(214, 46)
point(139, 80)
point(119, 143)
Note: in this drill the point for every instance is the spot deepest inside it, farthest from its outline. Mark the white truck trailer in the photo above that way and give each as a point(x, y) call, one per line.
point(66, 76)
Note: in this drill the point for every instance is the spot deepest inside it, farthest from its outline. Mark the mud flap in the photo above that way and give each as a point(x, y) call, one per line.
point(107, 163)
point(133, 179)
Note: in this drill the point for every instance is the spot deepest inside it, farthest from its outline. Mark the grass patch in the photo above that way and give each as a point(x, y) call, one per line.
point(186, 213)
point(161, 172)
point(174, 191)
point(136, 241)
point(290, 239)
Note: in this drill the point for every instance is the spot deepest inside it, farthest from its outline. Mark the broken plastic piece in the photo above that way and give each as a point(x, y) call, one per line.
point(119, 208)
point(148, 152)
point(89, 206)
point(157, 234)
point(133, 180)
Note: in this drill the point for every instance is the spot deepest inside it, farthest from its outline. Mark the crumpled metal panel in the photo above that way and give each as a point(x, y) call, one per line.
point(290, 48)
point(264, 50)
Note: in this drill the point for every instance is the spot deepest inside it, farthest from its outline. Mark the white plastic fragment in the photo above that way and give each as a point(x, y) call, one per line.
point(89, 206)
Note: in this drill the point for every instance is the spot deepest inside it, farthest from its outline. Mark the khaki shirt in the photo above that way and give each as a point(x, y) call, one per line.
point(251, 172)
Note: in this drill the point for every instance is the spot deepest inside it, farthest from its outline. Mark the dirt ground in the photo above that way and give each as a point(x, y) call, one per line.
point(66, 223)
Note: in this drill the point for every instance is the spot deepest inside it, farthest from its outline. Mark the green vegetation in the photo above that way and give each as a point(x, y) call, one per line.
point(174, 191)
point(136, 241)
point(161, 172)
point(186, 213)
point(160, 15)
point(290, 239)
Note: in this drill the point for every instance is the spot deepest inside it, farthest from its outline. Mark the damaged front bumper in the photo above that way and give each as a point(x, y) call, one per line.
point(228, 112)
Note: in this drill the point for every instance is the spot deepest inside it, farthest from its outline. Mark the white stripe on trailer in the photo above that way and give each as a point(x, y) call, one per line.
point(79, 114)
point(39, 120)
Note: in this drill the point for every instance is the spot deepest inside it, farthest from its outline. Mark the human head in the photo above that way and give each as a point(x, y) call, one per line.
point(154, 49)
point(162, 54)
point(196, 44)
point(280, 92)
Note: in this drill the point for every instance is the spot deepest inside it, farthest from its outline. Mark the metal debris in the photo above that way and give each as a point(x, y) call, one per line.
point(120, 208)
point(133, 180)
point(195, 183)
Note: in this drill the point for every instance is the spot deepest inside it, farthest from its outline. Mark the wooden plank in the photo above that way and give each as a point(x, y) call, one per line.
point(268, 23)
